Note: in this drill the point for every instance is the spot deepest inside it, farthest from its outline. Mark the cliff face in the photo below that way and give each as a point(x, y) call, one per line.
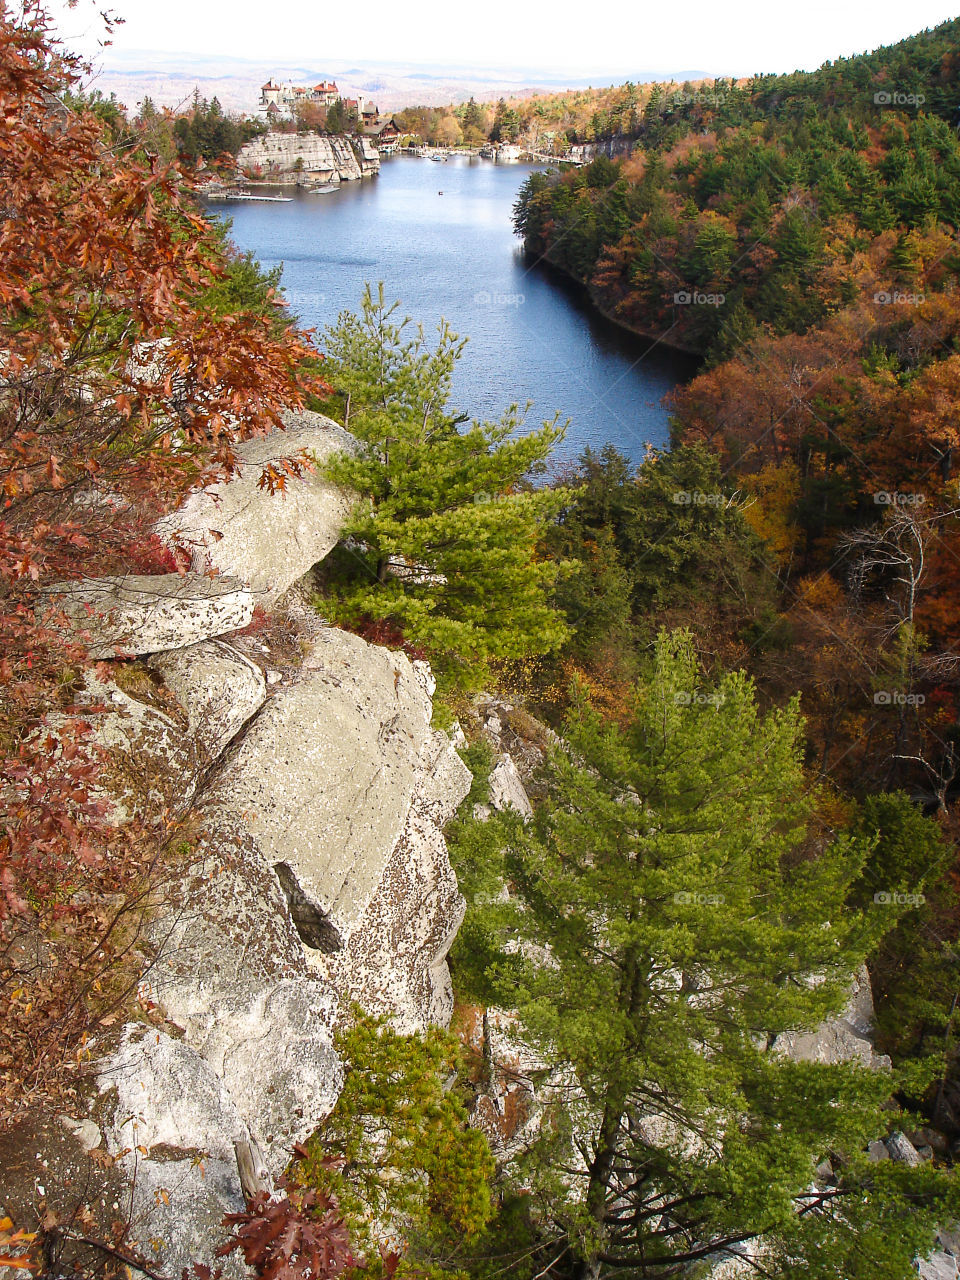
point(316, 875)
point(338, 159)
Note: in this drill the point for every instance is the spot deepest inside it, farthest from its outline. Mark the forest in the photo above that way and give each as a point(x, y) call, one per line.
point(800, 235)
point(737, 660)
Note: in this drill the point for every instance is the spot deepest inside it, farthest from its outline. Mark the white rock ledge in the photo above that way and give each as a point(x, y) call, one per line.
point(147, 613)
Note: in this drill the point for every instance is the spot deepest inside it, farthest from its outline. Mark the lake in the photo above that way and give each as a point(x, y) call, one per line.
point(439, 235)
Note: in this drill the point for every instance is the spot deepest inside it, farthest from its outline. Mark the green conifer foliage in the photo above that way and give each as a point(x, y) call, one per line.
point(444, 540)
point(679, 908)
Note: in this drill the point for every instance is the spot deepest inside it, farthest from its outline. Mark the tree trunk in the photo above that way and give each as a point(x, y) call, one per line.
point(587, 1269)
point(588, 1266)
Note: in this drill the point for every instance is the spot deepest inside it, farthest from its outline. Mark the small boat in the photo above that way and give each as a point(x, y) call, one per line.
point(325, 189)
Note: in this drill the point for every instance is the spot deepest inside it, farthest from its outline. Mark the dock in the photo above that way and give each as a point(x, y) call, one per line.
point(243, 195)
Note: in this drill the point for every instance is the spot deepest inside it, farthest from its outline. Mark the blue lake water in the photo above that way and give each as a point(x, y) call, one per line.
point(439, 235)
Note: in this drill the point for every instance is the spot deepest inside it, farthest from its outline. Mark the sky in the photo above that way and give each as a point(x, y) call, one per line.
point(735, 37)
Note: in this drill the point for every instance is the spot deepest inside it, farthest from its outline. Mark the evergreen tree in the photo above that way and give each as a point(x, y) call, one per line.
point(397, 1149)
point(676, 913)
point(443, 544)
point(472, 115)
point(506, 123)
point(335, 117)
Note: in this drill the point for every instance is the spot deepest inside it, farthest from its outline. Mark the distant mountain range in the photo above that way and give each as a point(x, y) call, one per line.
point(170, 79)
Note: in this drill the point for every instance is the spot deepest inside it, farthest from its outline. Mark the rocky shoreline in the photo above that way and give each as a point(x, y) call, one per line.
point(306, 158)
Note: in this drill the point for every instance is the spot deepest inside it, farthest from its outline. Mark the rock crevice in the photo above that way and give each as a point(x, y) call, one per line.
point(316, 874)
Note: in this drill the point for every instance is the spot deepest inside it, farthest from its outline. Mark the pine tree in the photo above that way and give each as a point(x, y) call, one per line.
point(397, 1150)
point(677, 911)
point(443, 543)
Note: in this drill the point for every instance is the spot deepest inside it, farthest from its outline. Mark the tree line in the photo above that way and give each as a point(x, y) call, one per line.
point(743, 649)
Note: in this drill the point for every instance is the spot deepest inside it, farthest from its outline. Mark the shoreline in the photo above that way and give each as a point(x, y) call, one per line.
point(587, 292)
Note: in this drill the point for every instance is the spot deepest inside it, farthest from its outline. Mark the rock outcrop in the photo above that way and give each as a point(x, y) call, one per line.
point(268, 541)
point(333, 815)
point(151, 766)
point(313, 871)
point(348, 814)
point(506, 787)
point(143, 613)
point(218, 688)
point(170, 1125)
point(845, 1038)
point(292, 155)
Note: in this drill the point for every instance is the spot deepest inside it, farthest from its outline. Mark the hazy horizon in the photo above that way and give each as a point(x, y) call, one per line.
point(170, 78)
point(740, 38)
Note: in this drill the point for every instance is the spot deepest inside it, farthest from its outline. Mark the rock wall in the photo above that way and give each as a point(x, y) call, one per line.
point(338, 159)
point(316, 874)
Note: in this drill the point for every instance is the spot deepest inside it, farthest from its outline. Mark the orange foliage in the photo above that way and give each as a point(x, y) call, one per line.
point(771, 514)
point(119, 391)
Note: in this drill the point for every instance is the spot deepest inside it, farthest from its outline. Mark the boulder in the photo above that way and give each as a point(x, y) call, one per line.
point(225, 925)
point(394, 963)
point(143, 613)
point(938, 1266)
point(343, 788)
point(327, 773)
point(267, 540)
point(902, 1149)
point(929, 1137)
point(512, 731)
point(152, 764)
point(171, 1127)
point(845, 1038)
point(445, 782)
point(271, 1045)
point(507, 790)
point(230, 971)
point(218, 688)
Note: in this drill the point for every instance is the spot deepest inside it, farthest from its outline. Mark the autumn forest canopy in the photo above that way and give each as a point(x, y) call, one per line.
point(737, 662)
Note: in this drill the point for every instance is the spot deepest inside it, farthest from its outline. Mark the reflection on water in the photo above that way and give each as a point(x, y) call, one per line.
point(440, 238)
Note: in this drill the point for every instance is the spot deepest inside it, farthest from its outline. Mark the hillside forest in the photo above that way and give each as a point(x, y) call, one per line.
point(737, 662)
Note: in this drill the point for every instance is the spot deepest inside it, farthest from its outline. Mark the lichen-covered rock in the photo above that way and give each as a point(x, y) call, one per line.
point(272, 1047)
point(224, 924)
point(218, 688)
point(327, 773)
point(445, 779)
point(267, 540)
point(169, 1123)
point(394, 963)
point(845, 1038)
point(146, 613)
point(231, 972)
point(344, 788)
point(313, 874)
point(152, 764)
